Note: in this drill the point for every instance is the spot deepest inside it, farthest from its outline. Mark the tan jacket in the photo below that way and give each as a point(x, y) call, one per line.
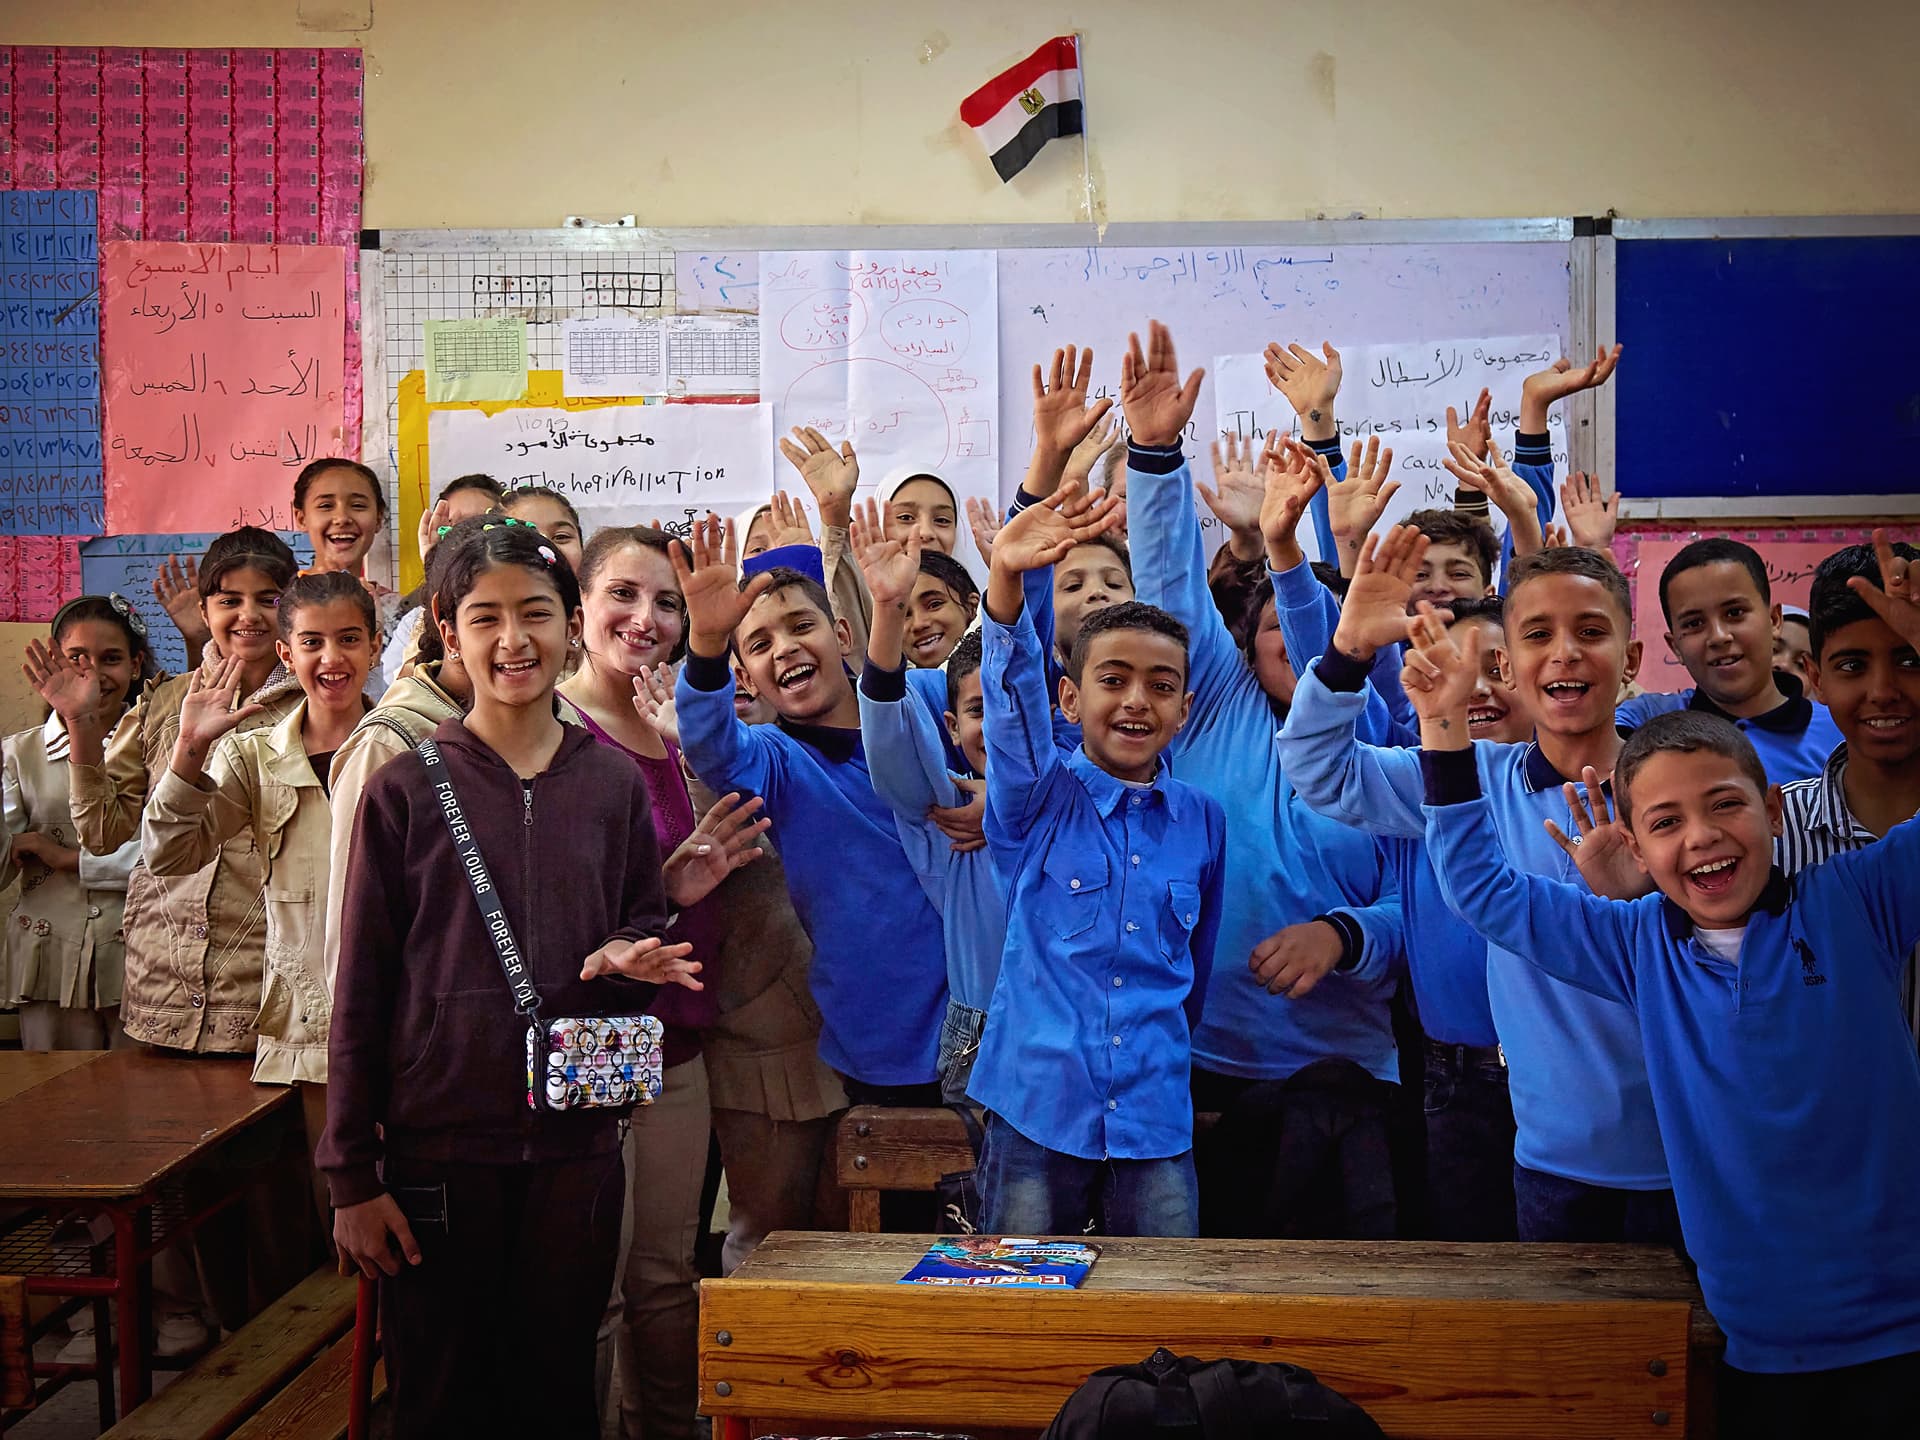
point(408, 713)
point(196, 944)
point(64, 941)
point(261, 783)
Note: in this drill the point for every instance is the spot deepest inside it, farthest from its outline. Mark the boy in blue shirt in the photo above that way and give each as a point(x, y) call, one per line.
point(878, 971)
point(1786, 1085)
point(1721, 625)
point(1113, 872)
point(908, 763)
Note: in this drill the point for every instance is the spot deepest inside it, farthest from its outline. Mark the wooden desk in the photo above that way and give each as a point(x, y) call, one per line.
point(1441, 1341)
point(97, 1132)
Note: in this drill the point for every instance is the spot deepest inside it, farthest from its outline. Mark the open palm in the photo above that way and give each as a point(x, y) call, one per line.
point(890, 566)
point(70, 692)
point(708, 572)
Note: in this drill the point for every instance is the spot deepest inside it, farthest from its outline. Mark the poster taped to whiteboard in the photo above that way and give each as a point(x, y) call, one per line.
point(618, 464)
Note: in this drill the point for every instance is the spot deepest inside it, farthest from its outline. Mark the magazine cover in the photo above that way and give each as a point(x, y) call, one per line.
point(995, 1260)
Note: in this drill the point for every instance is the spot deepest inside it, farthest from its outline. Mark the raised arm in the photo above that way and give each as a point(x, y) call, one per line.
point(197, 807)
point(723, 752)
point(1310, 384)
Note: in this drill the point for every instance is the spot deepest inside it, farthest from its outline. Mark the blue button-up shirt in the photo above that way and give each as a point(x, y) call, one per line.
point(1113, 904)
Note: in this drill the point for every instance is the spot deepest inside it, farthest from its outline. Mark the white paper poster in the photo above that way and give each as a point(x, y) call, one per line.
point(1400, 393)
point(618, 464)
point(713, 355)
point(613, 356)
point(895, 351)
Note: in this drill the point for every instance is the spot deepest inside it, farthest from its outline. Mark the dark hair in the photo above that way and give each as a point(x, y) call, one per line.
point(1456, 527)
point(785, 577)
point(617, 537)
point(894, 493)
point(1107, 540)
point(493, 542)
point(1480, 607)
point(486, 484)
point(1832, 603)
point(323, 587)
point(950, 573)
point(539, 492)
point(1682, 732)
point(964, 661)
point(429, 648)
point(335, 462)
point(1329, 575)
point(1715, 551)
point(1127, 615)
point(244, 548)
point(1571, 560)
point(112, 610)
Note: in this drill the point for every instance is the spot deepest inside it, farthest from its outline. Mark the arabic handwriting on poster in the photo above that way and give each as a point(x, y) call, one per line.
point(484, 359)
point(621, 464)
point(38, 574)
point(614, 355)
point(225, 376)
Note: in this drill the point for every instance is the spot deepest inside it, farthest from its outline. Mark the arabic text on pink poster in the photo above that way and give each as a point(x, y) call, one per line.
point(223, 376)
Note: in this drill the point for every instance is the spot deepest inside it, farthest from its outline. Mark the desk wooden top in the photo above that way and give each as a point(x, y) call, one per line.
point(22, 1070)
point(113, 1125)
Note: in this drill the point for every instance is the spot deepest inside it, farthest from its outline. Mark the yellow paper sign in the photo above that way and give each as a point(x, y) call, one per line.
point(482, 359)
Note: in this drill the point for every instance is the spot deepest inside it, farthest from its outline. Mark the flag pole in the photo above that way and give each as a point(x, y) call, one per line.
point(1086, 154)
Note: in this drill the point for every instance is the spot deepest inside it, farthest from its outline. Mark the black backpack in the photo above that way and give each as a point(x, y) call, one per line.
point(1176, 1397)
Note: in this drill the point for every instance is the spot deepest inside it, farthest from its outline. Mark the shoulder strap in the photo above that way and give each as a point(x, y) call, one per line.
point(526, 999)
point(390, 720)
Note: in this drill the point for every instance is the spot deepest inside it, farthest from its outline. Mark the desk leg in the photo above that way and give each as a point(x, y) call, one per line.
point(132, 1239)
point(735, 1427)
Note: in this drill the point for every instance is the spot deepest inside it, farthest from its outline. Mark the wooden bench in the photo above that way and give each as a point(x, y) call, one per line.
point(813, 1335)
point(285, 1374)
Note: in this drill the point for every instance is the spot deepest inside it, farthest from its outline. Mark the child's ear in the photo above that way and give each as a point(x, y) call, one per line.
point(1633, 847)
point(1186, 709)
point(1812, 678)
point(1773, 621)
point(1776, 812)
point(1505, 662)
point(972, 603)
point(953, 726)
point(285, 652)
point(843, 632)
point(1672, 648)
point(1069, 700)
point(1635, 653)
point(576, 626)
point(744, 679)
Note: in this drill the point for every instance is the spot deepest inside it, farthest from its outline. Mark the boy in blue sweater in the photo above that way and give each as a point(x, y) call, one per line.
point(878, 972)
point(1721, 625)
point(1113, 872)
point(908, 762)
point(1588, 1164)
point(1786, 1085)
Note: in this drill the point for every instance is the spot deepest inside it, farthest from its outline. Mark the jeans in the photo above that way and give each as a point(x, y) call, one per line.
point(959, 1048)
point(1553, 1208)
point(1470, 1176)
point(1879, 1400)
point(1027, 1189)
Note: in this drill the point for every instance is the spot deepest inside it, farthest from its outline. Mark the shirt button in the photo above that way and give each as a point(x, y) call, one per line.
point(196, 1000)
point(1131, 926)
point(1136, 859)
point(93, 912)
point(1113, 1104)
point(1118, 982)
point(1073, 884)
point(1189, 917)
point(199, 932)
point(1136, 799)
point(1116, 1039)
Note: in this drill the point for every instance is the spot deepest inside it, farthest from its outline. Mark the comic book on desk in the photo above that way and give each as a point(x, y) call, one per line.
point(1004, 1261)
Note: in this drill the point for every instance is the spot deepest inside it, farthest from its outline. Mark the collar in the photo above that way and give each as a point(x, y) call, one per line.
point(286, 756)
point(1790, 717)
point(1774, 899)
point(1830, 810)
point(837, 744)
point(1540, 774)
point(1109, 792)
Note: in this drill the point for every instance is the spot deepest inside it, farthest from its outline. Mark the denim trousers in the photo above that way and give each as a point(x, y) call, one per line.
point(1027, 1189)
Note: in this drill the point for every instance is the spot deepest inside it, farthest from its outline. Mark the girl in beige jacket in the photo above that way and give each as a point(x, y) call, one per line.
point(62, 954)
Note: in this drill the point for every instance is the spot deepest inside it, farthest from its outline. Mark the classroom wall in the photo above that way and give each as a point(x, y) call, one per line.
point(481, 113)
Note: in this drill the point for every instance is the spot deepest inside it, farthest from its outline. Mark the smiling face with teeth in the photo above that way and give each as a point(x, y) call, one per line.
point(242, 615)
point(936, 619)
point(329, 648)
point(636, 617)
point(794, 654)
point(1568, 652)
point(1702, 825)
point(1868, 677)
point(1130, 699)
point(340, 509)
point(1492, 712)
point(1721, 629)
point(511, 629)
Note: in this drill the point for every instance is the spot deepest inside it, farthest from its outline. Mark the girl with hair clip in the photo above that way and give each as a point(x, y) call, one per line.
point(342, 506)
point(553, 515)
point(465, 497)
point(63, 955)
point(491, 1218)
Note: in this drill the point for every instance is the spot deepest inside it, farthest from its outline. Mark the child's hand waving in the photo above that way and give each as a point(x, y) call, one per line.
point(651, 960)
point(1476, 430)
point(720, 844)
point(176, 586)
point(1374, 614)
point(1062, 415)
point(831, 475)
point(787, 522)
point(1157, 404)
point(1601, 854)
point(1292, 481)
point(1439, 677)
point(653, 701)
point(1896, 599)
point(890, 566)
point(1591, 516)
point(1041, 535)
point(1540, 390)
point(708, 570)
point(208, 712)
point(1309, 381)
point(70, 692)
point(1355, 504)
point(984, 521)
point(1238, 490)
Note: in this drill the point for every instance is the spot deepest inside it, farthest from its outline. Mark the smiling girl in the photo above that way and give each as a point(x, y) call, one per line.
point(343, 508)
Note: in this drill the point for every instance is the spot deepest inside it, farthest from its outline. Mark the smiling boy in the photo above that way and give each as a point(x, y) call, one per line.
point(1721, 625)
point(1787, 1088)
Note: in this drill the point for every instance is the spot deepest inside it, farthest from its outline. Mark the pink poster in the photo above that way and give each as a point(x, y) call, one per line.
point(223, 374)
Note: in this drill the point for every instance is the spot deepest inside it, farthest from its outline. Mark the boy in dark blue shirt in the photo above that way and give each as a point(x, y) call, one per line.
point(1721, 625)
point(1113, 872)
point(1787, 1089)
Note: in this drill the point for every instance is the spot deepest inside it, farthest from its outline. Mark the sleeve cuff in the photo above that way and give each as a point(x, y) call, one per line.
point(707, 672)
point(1295, 587)
point(1340, 672)
point(353, 1185)
point(1353, 940)
point(804, 558)
point(1329, 447)
point(885, 686)
point(1021, 501)
point(1532, 449)
point(1452, 776)
point(1154, 459)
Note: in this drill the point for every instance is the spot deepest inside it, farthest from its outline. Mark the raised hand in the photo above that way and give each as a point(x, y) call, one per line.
point(211, 709)
point(653, 701)
point(1439, 677)
point(1291, 481)
point(1475, 430)
point(723, 842)
point(708, 572)
point(1292, 961)
point(1555, 537)
point(1238, 488)
point(984, 521)
point(70, 692)
point(1896, 599)
point(432, 522)
point(787, 522)
point(1602, 854)
point(1157, 404)
point(651, 960)
point(1591, 515)
point(965, 824)
point(1042, 534)
point(832, 475)
point(1309, 381)
point(1085, 457)
point(891, 567)
point(1540, 390)
point(1355, 504)
point(1062, 414)
point(1492, 477)
point(176, 586)
point(1374, 614)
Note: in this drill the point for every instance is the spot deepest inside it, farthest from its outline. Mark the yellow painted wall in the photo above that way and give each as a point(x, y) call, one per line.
point(481, 113)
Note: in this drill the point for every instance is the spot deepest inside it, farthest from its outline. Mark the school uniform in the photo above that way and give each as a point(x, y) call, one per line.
point(1819, 824)
point(909, 768)
point(1793, 740)
point(878, 972)
point(1588, 1163)
point(64, 948)
point(1114, 897)
point(1786, 1083)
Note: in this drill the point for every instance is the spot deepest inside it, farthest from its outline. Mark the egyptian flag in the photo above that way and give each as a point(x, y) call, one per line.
point(1018, 111)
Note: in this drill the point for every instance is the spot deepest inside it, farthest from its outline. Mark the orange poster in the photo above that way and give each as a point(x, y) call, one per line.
point(222, 370)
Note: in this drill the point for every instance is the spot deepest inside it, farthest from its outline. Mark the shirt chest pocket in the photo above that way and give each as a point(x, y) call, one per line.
point(1180, 915)
point(1073, 892)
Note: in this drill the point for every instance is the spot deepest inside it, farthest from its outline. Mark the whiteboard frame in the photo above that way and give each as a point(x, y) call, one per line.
point(1737, 227)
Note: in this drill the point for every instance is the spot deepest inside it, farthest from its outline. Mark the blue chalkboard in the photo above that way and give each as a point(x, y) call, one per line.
point(1735, 346)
